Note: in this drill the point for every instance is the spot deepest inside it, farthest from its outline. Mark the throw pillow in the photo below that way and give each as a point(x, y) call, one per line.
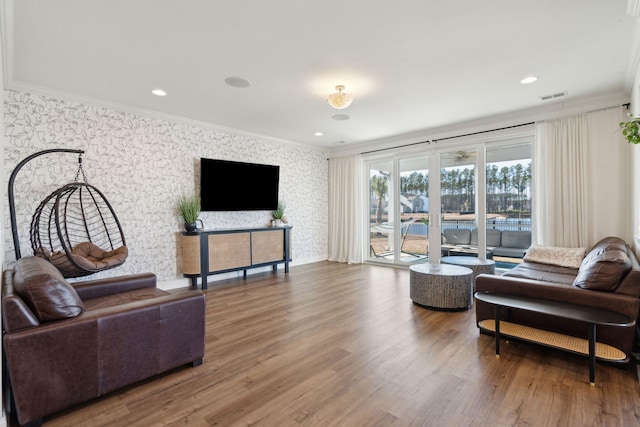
point(553, 255)
point(44, 290)
point(603, 267)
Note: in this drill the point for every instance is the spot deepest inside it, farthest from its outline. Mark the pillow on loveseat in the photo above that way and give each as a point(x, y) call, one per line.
point(604, 266)
point(553, 255)
point(44, 290)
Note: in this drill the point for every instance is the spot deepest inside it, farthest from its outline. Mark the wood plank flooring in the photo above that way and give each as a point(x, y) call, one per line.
point(333, 344)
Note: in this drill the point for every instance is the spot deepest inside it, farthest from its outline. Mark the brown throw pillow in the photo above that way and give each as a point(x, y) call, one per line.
point(604, 266)
point(44, 290)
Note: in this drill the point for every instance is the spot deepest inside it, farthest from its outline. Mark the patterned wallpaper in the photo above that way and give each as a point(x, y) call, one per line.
point(142, 164)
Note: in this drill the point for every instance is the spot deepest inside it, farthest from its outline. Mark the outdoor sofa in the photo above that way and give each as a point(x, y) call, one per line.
point(505, 243)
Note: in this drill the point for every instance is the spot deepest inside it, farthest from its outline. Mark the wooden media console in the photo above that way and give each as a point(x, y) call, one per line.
point(209, 252)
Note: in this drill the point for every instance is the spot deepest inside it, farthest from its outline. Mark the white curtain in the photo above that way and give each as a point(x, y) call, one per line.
point(346, 209)
point(582, 167)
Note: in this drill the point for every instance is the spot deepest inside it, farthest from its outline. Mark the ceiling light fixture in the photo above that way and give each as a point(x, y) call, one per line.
point(159, 92)
point(529, 79)
point(318, 134)
point(340, 100)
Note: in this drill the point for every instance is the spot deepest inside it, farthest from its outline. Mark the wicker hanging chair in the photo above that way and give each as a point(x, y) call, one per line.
point(76, 229)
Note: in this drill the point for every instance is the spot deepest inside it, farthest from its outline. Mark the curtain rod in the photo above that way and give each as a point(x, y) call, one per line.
point(448, 137)
point(626, 105)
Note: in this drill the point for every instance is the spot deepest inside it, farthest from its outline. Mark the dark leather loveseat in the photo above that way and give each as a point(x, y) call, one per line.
point(608, 276)
point(66, 344)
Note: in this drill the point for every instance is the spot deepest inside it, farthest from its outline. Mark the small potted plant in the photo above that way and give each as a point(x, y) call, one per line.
point(189, 209)
point(278, 214)
point(630, 130)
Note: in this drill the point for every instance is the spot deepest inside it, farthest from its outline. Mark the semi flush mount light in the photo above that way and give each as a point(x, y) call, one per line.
point(159, 92)
point(340, 100)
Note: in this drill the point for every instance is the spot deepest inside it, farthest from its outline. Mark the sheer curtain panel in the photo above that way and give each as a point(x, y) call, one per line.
point(582, 166)
point(346, 209)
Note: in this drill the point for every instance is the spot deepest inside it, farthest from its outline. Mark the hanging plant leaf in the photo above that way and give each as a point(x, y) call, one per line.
point(631, 131)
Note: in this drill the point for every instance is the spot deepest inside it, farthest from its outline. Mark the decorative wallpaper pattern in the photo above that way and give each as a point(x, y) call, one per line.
point(142, 164)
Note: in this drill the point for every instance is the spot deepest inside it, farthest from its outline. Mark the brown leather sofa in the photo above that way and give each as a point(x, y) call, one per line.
point(65, 344)
point(607, 277)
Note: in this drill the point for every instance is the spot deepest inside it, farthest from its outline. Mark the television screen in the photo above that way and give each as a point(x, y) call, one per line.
point(236, 186)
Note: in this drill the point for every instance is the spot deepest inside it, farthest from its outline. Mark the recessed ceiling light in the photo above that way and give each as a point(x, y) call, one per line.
point(529, 79)
point(237, 82)
point(340, 117)
point(318, 134)
point(159, 92)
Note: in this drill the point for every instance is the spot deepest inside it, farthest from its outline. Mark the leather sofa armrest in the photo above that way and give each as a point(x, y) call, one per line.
point(16, 315)
point(113, 285)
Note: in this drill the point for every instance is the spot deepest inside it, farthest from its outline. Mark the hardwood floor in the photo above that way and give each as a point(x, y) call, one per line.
point(342, 345)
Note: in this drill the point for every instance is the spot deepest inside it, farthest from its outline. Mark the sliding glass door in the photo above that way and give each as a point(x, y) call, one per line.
point(408, 205)
point(458, 202)
point(398, 209)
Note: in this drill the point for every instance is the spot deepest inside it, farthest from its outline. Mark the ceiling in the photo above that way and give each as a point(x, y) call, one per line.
point(412, 65)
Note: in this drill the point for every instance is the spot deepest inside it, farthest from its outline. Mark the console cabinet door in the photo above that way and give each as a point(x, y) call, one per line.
point(267, 246)
point(232, 250)
point(191, 254)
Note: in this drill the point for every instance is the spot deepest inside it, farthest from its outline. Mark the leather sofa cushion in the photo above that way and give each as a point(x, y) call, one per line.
point(543, 273)
point(44, 290)
point(604, 266)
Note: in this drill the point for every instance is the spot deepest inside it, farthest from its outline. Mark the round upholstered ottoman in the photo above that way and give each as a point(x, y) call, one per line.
point(440, 286)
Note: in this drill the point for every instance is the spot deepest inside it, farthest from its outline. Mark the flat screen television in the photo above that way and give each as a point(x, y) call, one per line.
point(237, 186)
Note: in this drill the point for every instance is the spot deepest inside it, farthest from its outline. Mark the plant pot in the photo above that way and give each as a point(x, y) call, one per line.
point(277, 223)
point(190, 227)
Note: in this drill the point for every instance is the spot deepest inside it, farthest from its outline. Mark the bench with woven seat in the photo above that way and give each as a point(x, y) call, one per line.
point(591, 316)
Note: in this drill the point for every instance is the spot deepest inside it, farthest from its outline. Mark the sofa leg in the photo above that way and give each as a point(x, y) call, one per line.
point(196, 362)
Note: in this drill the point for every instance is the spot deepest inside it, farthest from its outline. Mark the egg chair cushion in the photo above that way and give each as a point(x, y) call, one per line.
point(91, 257)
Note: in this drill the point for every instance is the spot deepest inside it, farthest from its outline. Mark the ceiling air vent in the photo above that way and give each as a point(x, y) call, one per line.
point(553, 96)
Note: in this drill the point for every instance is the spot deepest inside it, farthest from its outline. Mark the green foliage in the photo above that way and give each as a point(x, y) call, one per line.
point(189, 208)
point(279, 212)
point(630, 130)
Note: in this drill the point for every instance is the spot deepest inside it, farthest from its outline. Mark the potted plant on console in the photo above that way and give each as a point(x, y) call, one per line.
point(189, 209)
point(278, 214)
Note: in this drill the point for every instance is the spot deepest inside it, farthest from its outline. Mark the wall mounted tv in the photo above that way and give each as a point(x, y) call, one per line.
point(237, 186)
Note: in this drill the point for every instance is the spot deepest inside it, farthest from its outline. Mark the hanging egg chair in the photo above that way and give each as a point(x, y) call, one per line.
point(76, 229)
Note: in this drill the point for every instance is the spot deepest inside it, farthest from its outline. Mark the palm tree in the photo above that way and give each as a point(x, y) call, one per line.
point(379, 188)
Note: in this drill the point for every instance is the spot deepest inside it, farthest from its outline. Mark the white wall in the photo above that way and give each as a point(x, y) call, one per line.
point(142, 163)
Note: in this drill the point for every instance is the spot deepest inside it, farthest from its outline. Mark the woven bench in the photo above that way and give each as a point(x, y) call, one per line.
point(592, 316)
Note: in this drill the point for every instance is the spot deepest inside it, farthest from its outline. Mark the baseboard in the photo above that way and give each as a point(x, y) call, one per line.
point(186, 282)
